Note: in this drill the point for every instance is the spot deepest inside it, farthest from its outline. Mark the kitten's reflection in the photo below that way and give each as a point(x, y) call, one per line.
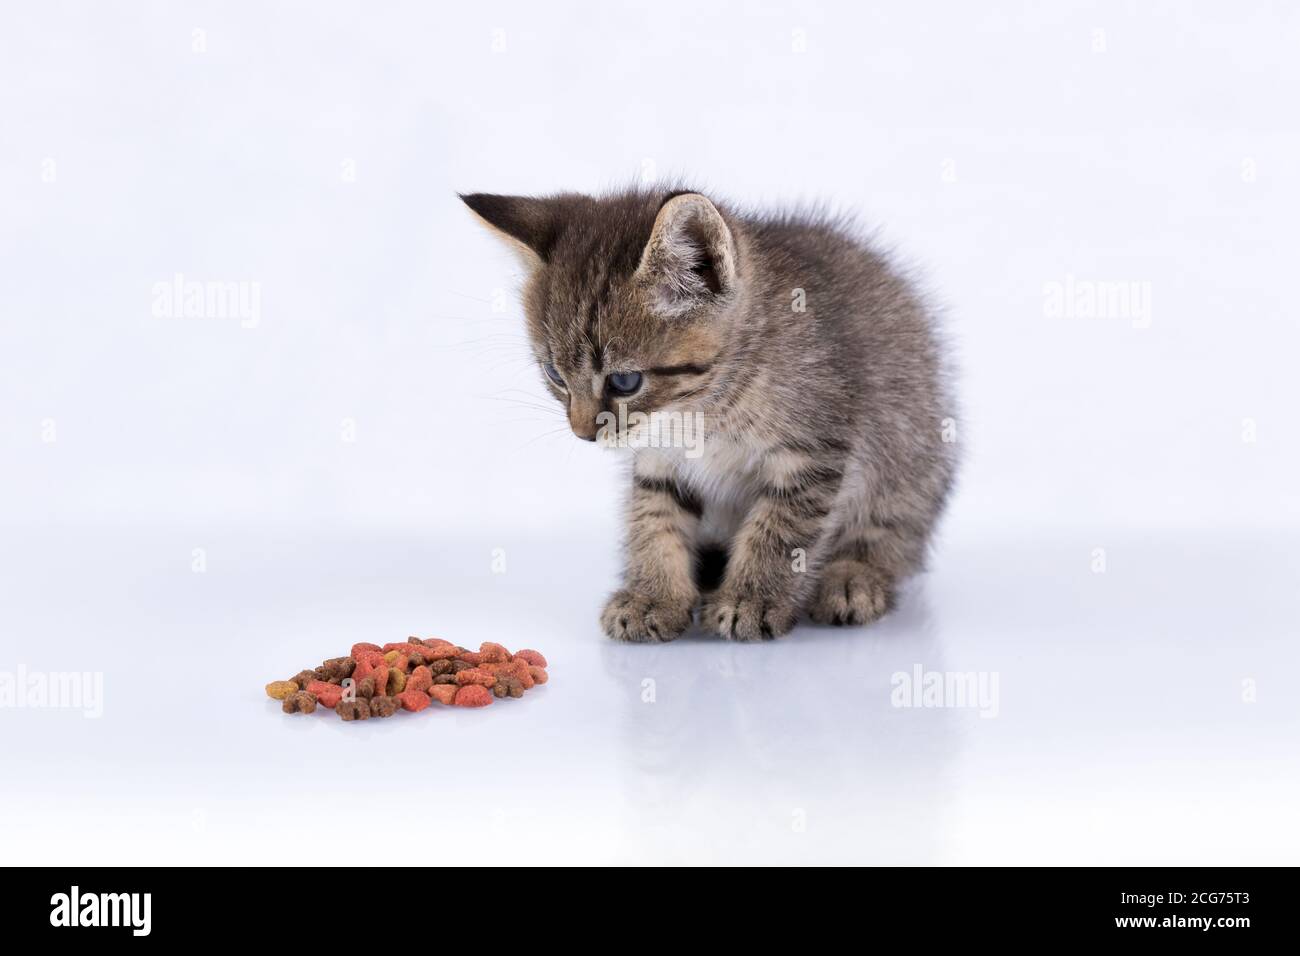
point(784, 751)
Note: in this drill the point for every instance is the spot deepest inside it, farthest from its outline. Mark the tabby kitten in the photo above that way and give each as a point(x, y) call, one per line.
point(812, 367)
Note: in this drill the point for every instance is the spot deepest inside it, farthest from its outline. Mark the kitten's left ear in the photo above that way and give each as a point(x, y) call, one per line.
point(690, 259)
point(528, 224)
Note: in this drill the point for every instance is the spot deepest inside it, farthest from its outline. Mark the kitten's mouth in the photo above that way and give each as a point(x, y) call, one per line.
point(612, 438)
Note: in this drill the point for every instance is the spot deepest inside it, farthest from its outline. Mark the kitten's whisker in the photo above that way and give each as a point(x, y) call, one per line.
point(472, 298)
point(552, 409)
point(550, 434)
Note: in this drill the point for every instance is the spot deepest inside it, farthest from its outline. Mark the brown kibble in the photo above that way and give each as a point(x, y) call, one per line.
point(339, 668)
point(302, 702)
point(280, 689)
point(352, 709)
point(458, 665)
point(384, 706)
point(303, 678)
point(508, 686)
point(443, 666)
point(366, 688)
point(445, 679)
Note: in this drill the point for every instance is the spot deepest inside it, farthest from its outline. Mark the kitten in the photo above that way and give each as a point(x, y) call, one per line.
point(812, 366)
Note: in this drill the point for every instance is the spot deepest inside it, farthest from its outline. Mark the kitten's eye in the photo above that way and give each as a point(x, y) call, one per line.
point(625, 383)
point(553, 374)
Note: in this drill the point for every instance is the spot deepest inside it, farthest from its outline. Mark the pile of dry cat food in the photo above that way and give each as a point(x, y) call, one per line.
point(374, 681)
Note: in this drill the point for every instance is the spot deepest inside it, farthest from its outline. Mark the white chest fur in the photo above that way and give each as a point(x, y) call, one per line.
point(723, 474)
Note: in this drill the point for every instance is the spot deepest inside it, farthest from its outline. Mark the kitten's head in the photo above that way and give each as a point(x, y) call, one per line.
point(628, 299)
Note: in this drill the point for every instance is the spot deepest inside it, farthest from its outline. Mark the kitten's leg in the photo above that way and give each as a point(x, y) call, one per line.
point(859, 582)
point(851, 590)
point(763, 590)
point(659, 589)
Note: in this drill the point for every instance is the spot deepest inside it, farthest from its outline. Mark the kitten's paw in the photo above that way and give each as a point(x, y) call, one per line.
point(850, 592)
point(747, 617)
point(631, 616)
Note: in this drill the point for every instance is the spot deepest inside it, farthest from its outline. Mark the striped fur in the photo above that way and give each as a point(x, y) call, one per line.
point(828, 452)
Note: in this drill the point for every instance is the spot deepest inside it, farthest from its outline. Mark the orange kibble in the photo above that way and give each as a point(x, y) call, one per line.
point(441, 652)
point(473, 695)
point(413, 700)
point(421, 679)
point(474, 675)
point(533, 658)
point(328, 695)
point(490, 653)
point(444, 693)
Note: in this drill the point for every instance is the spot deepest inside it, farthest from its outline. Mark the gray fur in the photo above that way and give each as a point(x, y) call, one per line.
point(830, 450)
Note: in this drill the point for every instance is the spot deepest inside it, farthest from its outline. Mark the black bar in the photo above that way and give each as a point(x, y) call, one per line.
point(215, 905)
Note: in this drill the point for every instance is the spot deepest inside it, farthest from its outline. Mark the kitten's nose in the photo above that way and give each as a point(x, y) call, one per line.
point(586, 431)
point(583, 422)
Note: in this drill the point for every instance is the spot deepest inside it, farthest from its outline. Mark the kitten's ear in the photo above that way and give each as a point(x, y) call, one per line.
point(527, 224)
point(690, 259)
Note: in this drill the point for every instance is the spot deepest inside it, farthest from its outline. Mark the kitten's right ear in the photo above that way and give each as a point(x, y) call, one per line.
point(690, 260)
point(527, 224)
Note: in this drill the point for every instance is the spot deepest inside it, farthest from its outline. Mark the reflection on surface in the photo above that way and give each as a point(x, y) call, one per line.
point(783, 750)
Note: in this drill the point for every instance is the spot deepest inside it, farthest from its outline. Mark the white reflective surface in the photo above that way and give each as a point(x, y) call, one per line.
point(1120, 733)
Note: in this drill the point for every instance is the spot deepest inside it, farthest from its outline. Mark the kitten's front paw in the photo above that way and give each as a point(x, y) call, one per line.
point(851, 592)
point(747, 617)
point(631, 616)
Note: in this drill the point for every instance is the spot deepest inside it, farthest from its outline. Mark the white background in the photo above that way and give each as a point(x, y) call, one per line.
point(1146, 714)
